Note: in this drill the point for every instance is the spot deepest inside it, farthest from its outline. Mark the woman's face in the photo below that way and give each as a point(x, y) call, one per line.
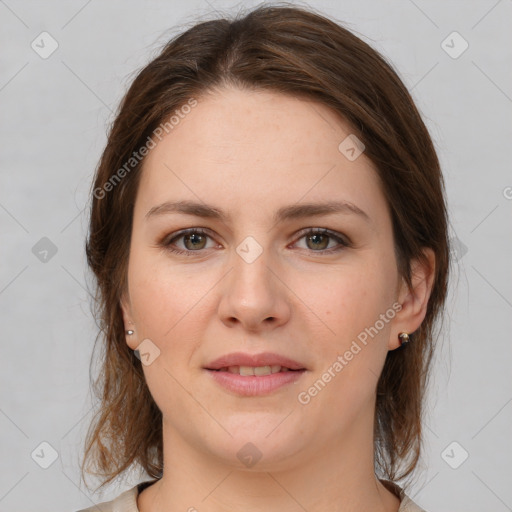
point(257, 279)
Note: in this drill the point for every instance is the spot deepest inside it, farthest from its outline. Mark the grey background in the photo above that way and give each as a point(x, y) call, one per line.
point(54, 115)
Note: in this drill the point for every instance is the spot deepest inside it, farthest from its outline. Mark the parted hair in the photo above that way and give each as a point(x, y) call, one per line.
point(300, 52)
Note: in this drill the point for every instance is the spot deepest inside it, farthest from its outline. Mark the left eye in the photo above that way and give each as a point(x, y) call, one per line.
point(320, 240)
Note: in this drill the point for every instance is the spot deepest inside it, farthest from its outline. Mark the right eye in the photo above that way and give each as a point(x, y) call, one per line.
point(193, 240)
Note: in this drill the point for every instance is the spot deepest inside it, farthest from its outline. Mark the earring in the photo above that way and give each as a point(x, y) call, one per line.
point(129, 332)
point(403, 337)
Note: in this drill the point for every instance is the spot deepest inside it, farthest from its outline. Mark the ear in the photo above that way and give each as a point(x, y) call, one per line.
point(131, 339)
point(414, 301)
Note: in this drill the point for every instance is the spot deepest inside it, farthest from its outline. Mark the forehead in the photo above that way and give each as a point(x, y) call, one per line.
point(254, 150)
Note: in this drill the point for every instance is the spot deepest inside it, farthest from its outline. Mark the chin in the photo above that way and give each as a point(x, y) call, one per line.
point(259, 448)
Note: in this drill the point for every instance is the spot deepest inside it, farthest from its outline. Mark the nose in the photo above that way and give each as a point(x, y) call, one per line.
point(253, 296)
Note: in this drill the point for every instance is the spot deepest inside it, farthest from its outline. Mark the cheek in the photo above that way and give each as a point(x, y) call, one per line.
point(351, 352)
point(352, 300)
point(168, 304)
point(156, 292)
point(167, 310)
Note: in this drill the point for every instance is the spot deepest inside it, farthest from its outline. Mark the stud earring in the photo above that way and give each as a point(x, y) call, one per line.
point(129, 332)
point(403, 337)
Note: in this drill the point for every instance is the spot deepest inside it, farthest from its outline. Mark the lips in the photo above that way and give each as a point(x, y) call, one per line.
point(254, 375)
point(254, 360)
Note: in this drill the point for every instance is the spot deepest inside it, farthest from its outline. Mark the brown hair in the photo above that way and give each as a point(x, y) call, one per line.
point(295, 51)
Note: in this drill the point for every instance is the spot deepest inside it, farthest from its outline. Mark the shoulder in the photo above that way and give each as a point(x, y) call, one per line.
point(406, 504)
point(125, 502)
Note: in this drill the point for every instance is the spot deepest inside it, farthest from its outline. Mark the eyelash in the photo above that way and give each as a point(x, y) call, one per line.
point(166, 243)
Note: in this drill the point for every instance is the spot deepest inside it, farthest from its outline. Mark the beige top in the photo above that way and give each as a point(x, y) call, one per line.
point(127, 501)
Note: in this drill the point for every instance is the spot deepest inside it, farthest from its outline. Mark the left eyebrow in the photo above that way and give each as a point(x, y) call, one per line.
point(295, 211)
point(302, 210)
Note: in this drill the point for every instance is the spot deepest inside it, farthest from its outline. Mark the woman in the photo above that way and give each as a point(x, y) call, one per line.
point(269, 238)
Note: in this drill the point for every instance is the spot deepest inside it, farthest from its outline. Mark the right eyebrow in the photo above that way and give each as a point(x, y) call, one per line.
point(187, 207)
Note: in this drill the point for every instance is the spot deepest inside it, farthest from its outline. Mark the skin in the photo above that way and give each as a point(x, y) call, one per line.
point(251, 153)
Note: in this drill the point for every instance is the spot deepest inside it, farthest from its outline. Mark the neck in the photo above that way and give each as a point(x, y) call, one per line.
point(333, 478)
